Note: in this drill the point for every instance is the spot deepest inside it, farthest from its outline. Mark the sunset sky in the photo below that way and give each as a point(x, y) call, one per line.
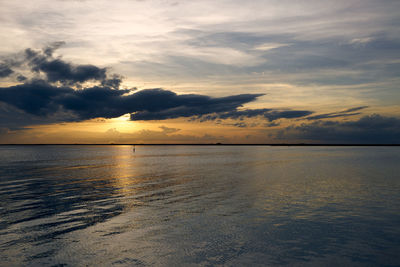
point(199, 71)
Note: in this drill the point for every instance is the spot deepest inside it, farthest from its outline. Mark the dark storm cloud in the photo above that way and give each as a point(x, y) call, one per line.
point(164, 104)
point(55, 69)
point(368, 129)
point(43, 99)
point(58, 70)
point(344, 113)
point(13, 118)
point(269, 114)
point(114, 81)
point(36, 98)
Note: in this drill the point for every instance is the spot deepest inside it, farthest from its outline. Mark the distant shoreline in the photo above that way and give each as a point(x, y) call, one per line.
point(216, 144)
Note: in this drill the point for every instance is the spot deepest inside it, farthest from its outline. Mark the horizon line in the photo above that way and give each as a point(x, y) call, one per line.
point(197, 144)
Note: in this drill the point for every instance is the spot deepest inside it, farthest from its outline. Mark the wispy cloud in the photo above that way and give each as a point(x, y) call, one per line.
point(269, 114)
point(269, 46)
point(343, 113)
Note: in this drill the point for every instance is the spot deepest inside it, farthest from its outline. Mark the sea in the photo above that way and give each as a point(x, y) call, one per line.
point(111, 205)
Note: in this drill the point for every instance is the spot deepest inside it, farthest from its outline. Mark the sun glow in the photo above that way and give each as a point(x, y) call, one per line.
point(122, 123)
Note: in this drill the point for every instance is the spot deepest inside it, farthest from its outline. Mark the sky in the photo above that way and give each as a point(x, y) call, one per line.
point(85, 71)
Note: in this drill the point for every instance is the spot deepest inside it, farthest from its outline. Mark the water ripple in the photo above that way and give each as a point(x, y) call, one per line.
point(81, 205)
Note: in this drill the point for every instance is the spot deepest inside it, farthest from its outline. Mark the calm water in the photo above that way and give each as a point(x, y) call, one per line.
point(207, 206)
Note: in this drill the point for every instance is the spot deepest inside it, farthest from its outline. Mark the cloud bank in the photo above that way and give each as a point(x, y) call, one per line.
point(42, 99)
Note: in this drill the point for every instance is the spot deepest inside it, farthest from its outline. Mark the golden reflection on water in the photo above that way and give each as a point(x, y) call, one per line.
point(123, 174)
point(139, 177)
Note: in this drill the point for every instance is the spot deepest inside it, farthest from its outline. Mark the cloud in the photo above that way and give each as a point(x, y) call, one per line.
point(58, 70)
point(40, 98)
point(360, 41)
point(344, 113)
point(269, 114)
point(63, 103)
point(43, 65)
point(269, 46)
point(169, 130)
point(271, 124)
point(21, 78)
point(287, 114)
point(373, 129)
point(5, 70)
point(241, 124)
point(49, 50)
point(162, 104)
